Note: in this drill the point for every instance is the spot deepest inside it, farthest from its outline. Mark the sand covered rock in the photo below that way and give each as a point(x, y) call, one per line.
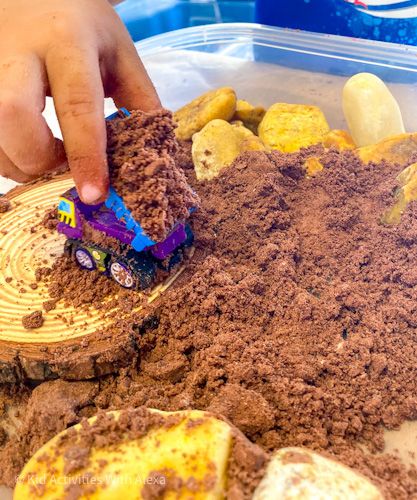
point(300, 474)
point(395, 149)
point(143, 454)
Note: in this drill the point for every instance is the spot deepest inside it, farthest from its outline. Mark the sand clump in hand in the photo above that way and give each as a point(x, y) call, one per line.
point(295, 318)
point(140, 153)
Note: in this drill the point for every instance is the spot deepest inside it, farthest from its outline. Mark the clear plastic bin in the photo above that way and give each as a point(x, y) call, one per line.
point(267, 65)
point(145, 18)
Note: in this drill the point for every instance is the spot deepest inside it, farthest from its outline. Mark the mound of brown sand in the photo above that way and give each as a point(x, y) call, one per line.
point(140, 154)
point(296, 320)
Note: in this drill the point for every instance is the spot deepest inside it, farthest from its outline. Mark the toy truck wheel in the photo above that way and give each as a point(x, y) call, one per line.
point(122, 274)
point(140, 265)
point(84, 258)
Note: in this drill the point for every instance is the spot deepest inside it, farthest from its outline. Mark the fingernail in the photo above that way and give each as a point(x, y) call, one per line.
point(90, 194)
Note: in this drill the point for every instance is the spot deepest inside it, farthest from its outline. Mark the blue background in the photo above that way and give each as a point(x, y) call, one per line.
point(146, 18)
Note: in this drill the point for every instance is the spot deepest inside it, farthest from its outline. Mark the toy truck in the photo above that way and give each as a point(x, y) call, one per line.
point(137, 259)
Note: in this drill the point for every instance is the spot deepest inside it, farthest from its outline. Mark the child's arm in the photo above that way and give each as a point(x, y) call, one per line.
point(77, 51)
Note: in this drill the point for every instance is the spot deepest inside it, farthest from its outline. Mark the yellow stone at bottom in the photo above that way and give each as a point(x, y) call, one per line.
point(193, 453)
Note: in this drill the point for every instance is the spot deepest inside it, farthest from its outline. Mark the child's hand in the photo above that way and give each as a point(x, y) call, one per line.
point(77, 51)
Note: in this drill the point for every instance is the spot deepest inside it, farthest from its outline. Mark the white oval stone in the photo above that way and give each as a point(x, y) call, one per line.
point(371, 111)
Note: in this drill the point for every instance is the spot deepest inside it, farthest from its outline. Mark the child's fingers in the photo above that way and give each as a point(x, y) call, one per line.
point(131, 86)
point(76, 86)
point(9, 170)
point(24, 134)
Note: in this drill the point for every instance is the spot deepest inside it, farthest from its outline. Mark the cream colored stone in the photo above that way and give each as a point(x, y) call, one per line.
point(371, 111)
point(300, 474)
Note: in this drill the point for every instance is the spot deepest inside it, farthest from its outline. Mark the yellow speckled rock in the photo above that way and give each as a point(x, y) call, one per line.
point(407, 180)
point(410, 189)
point(252, 143)
point(300, 474)
point(313, 166)
point(218, 144)
point(191, 450)
point(339, 139)
point(396, 149)
point(289, 127)
point(241, 129)
point(215, 104)
point(407, 174)
point(371, 111)
point(250, 115)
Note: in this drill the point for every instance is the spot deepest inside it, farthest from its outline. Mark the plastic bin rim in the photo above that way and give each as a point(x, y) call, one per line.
point(385, 54)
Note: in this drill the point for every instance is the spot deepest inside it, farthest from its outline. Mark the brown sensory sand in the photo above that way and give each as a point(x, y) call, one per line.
point(75, 286)
point(5, 205)
point(295, 319)
point(50, 219)
point(33, 320)
point(80, 289)
point(140, 153)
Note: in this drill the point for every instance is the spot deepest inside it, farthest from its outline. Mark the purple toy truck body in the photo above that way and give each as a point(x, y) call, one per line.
point(132, 268)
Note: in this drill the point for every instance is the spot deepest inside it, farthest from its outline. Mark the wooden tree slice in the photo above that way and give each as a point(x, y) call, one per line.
point(68, 344)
